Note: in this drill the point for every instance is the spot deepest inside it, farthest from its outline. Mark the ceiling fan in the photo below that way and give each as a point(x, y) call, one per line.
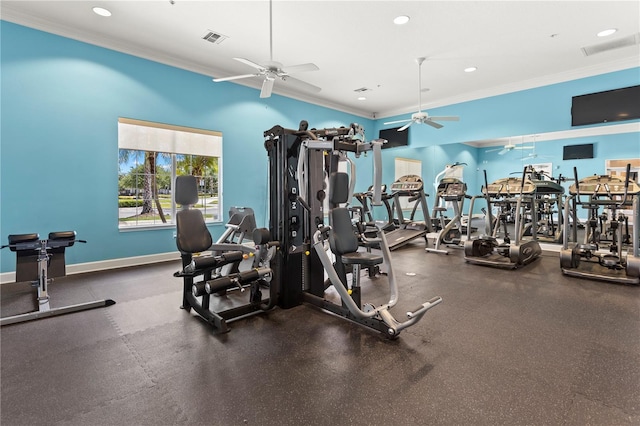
point(533, 154)
point(274, 70)
point(421, 117)
point(509, 147)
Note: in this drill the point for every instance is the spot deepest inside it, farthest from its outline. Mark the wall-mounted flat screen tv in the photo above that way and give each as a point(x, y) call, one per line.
point(604, 107)
point(577, 152)
point(394, 138)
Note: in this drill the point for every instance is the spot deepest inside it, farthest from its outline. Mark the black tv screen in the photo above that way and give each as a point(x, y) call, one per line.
point(603, 107)
point(577, 152)
point(394, 138)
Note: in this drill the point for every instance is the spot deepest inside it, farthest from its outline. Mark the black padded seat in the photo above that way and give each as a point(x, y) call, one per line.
point(62, 235)
point(361, 258)
point(24, 241)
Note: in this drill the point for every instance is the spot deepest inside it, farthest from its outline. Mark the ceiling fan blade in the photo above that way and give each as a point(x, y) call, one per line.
point(406, 126)
point(398, 121)
point(494, 150)
point(299, 84)
point(522, 147)
point(300, 68)
point(445, 118)
point(234, 77)
point(251, 64)
point(433, 123)
point(503, 151)
point(267, 87)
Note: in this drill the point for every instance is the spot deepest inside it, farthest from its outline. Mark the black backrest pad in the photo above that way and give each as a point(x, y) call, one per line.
point(338, 188)
point(186, 190)
point(192, 235)
point(342, 238)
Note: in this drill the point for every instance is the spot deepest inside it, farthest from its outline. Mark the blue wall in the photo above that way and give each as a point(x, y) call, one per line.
point(533, 111)
point(61, 100)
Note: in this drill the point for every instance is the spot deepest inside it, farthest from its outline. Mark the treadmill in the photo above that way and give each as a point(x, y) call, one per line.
point(407, 230)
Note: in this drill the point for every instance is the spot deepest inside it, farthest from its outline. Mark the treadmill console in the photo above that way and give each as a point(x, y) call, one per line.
point(407, 184)
point(452, 187)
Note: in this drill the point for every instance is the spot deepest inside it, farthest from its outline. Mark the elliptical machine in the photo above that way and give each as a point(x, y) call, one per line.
point(546, 201)
point(589, 260)
point(487, 250)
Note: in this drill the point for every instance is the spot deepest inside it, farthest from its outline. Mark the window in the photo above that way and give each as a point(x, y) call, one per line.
point(150, 156)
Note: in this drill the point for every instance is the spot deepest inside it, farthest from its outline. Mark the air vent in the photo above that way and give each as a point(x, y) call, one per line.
point(362, 89)
point(611, 45)
point(213, 37)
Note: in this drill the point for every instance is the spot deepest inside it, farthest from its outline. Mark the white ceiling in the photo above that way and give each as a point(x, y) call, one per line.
point(514, 44)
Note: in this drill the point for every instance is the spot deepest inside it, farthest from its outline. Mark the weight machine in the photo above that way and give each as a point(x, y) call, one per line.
point(486, 249)
point(299, 163)
point(39, 262)
point(220, 269)
point(592, 259)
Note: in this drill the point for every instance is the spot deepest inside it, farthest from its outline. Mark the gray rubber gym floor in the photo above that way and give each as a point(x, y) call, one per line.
point(529, 346)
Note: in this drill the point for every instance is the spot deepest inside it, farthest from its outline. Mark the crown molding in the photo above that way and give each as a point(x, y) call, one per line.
point(17, 17)
point(575, 74)
point(608, 129)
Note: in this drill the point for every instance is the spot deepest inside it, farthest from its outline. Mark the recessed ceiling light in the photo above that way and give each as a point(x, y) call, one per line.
point(362, 98)
point(470, 69)
point(401, 20)
point(101, 11)
point(607, 32)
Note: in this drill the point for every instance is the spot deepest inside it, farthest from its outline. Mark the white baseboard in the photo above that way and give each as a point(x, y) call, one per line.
point(102, 265)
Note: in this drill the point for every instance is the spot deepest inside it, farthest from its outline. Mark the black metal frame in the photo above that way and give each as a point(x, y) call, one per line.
point(220, 267)
point(296, 222)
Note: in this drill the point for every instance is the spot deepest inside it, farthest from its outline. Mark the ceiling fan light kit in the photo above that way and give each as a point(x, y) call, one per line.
point(422, 117)
point(272, 70)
